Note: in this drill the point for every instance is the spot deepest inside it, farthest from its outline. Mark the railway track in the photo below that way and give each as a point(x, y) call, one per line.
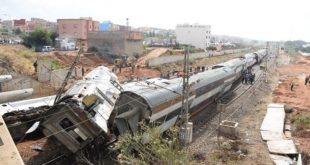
point(207, 121)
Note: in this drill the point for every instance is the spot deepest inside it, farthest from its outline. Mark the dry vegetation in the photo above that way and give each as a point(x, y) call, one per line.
point(148, 147)
point(19, 58)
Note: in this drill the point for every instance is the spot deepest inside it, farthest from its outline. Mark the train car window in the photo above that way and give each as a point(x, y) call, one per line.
point(217, 66)
point(166, 83)
point(72, 131)
point(66, 124)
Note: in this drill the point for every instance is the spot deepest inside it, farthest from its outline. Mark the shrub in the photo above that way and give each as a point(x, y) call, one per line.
point(147, 146)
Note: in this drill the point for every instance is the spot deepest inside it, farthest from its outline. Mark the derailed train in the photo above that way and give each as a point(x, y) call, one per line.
point(98, 106)
point(159, 100)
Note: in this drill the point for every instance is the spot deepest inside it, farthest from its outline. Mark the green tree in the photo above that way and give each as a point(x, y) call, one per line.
point(54, 35)
point(17, 31)
point(38, 38)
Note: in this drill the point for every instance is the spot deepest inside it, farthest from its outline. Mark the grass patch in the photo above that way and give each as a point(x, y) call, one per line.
point(57, 65)
point(301, 125)
point(302, 120)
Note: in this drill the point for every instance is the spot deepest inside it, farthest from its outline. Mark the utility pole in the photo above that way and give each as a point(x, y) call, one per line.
point(65, 81)
point(186, 127)
point(185, 84)
point(127, 24)
point(267, 57)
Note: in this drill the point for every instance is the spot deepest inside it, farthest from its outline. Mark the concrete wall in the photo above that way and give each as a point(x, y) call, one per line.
point(120, 43)
point(55, 77)
point(113, 41)
point(17, 83)
point(174, 58)
point(134, 47)
point(58, 76)
point(44, 68)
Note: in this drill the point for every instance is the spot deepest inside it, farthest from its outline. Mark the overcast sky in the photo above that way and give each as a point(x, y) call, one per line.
point(255, 19)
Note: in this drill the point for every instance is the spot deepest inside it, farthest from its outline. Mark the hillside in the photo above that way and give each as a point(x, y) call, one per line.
point(17, 58)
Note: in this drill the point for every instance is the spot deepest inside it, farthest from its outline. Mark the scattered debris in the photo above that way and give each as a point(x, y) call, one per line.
point(37, 147)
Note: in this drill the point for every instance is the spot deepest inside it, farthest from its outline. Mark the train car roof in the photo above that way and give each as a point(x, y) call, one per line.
point(26, 104)
point(157, 91)
point(231, 63)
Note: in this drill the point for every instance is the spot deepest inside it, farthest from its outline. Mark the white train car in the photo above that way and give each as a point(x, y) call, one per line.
point(237, 65)
point(159, 101)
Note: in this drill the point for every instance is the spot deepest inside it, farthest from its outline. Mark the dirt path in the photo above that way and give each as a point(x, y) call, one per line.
point(299, 99)
point(154, 53)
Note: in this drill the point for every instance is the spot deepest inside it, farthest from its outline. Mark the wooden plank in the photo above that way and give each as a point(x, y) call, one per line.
point(282, 147)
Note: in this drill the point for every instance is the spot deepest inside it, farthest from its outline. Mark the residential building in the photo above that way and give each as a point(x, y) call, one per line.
point(20, 23)
point(7, 24)
point(41, 23)
point(77, 29)
point(109, 26)
point(117, 42)
point(196, 35)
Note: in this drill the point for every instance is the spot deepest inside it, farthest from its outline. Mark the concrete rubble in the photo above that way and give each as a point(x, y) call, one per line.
point(281, 148)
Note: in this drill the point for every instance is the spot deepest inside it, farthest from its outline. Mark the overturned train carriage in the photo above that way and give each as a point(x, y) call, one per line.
point(159, 101)
point(83, 111)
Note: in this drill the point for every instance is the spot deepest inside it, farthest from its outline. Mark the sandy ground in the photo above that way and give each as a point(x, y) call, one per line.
point(127, 73)
point(152, 54)
point(299, 98)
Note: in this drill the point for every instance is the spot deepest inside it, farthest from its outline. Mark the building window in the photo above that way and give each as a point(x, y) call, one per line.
point(75, 25)
point(75, 33)
point(63, 26)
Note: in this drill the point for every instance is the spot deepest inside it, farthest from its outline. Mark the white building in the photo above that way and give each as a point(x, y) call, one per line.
point(195, 35)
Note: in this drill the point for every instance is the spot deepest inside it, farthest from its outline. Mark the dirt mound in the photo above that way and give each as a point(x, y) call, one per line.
point(153, 54)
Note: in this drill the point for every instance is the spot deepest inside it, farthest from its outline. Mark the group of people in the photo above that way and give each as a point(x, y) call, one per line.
point(248, 77)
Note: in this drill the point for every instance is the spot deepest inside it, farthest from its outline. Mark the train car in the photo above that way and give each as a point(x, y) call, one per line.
point(83, 111)
point(249, 59)
point(237, 65)
point(159, 101)
point(261, 54)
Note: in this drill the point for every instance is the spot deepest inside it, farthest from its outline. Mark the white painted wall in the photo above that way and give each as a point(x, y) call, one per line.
point(195, 35)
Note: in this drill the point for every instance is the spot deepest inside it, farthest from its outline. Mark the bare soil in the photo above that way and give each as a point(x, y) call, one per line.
point(299, 98)
point(152, 54)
